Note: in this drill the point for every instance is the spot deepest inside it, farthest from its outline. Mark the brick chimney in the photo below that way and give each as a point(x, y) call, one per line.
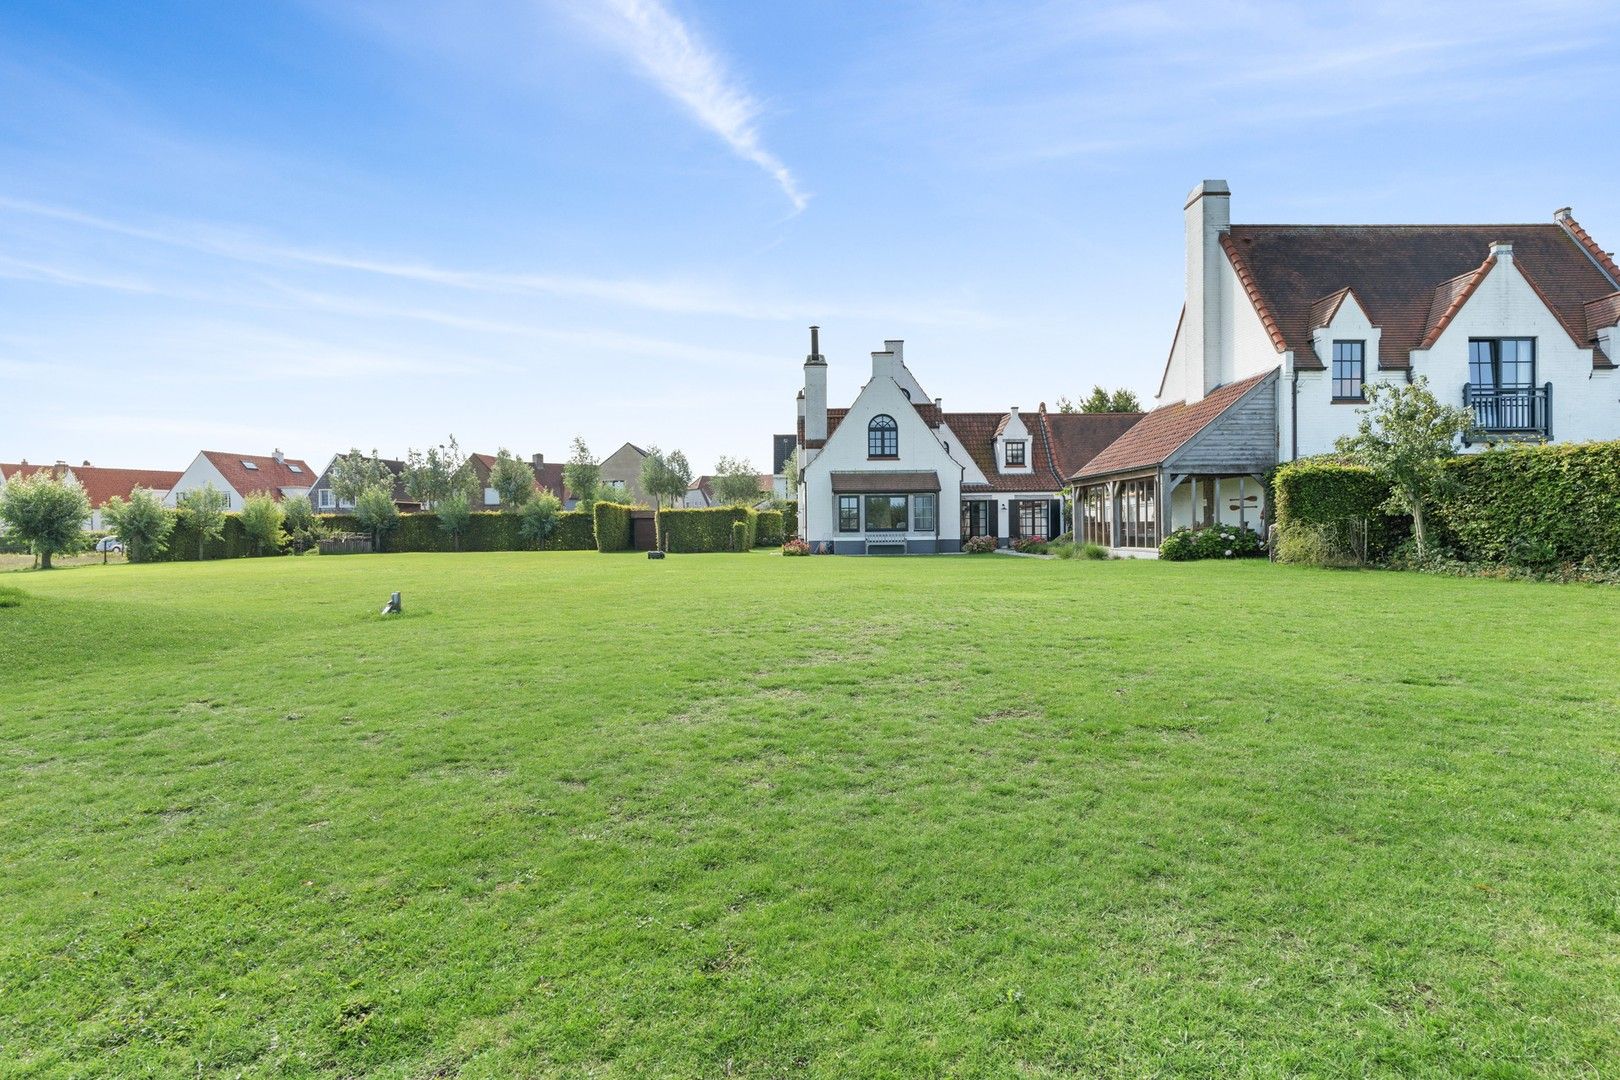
point(277, 456)
point(1208, 214)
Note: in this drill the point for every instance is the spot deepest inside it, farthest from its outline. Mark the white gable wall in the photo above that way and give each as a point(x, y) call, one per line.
point(845, 451)
point(199, 474)
point(1584, 402)
point(1321, 420)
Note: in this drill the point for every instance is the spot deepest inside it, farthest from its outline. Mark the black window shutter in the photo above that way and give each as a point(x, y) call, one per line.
point(1057, 519)
point(995, 518)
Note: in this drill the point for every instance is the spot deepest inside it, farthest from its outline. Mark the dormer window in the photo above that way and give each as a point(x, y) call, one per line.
point(1349, 370)
point(882, 437)
point(1015, 454)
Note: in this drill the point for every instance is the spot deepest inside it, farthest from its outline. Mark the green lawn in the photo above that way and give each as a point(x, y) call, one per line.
point(585, 815)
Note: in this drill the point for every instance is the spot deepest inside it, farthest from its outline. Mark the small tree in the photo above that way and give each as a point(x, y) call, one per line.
point(1101, 401)
point(736, 483)
point(665, 478)
point(352, 473)
point(374, 509)
point(538, 518)
point(582, 474)
point(205, 507)
point(46, 512)
point(513, 480)
point(142, 523)
point(1405, 436)
point(455, 514)
point(791, 473)
point(261, 519)
point(298, 520)
point(431, 475)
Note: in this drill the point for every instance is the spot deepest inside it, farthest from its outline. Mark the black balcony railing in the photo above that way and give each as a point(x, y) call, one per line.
point(1515, 411)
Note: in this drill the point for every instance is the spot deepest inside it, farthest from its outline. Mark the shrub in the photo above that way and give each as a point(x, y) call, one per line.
point(298, 520)
point(612, 526)
point(142, 523)
point(261, 519)
point(790, 519)
point(1214, 542)
point(47, 512)
point(376, 513)
point(709, 529)
point(770, 528)
point(538, 518)
point(1031, 545)
point(1535, 506)
point(980, 545)
point(1311, 544)
point(795, 547)
point(1341, 503)
point(1093, 551)
point(487, 530)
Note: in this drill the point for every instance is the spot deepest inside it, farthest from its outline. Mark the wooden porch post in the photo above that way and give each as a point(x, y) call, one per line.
point(1113, 513)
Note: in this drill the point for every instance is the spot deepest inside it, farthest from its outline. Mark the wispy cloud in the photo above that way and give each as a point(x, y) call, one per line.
point(678, 62)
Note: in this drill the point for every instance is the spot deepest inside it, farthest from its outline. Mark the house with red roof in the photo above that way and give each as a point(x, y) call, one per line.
point(241, 475)
point(895, 473)
point(100, 483)
point(1284, 326)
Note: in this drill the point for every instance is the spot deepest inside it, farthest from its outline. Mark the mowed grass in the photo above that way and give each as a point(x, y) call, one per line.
point(584, 815)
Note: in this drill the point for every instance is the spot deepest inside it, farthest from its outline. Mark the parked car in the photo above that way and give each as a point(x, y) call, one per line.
point(110, 544)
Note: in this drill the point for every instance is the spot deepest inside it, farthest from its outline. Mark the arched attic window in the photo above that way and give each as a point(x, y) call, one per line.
point(882, 437)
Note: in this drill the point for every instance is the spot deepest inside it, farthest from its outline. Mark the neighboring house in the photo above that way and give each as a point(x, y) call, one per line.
point(895, 473)
point(700, 493)
point(241, 475)
point(547, 477)
point(99, 484)
point(1284, 325)
point(782, 447)
point(621, 471)
point(325, 501)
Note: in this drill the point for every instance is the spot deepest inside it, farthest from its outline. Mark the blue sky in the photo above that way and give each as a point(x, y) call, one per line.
point(238, 226)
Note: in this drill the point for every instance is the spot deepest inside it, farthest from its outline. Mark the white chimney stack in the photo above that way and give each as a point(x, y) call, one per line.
point(815, 390)
point(1208, 214)
point(1502, 252)
point(277, 456)
point(883, 364)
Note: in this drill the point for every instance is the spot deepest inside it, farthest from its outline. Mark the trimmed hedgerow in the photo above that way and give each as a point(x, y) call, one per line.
point(486, 531)
point(1339, 505)
point(739, 536)
point(232, 543)
point(1535, 506)
point(708, 529)
point(612, 526)
point(1214, 542)
point(770, 529)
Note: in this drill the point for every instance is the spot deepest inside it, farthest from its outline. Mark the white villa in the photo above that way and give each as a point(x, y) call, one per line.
point(1283, 325)
point(896, 474)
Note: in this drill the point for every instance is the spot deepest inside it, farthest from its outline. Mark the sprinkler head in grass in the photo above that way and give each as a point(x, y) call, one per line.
point(393, 607)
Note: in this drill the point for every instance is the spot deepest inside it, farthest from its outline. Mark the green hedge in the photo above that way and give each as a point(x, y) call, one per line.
point(612, 527)
point(790, 520)
point(770, 529)
point(1536, 505)
point(232, 543)
point(1337, 500)
point(707, 529)
point(486, 531)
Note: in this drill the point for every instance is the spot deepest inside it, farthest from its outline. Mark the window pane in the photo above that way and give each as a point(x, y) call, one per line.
point(922, 512)
point(849, 513)
point(885, 513)
point(1479, 364)
point(882, 437)
point(1015, 453)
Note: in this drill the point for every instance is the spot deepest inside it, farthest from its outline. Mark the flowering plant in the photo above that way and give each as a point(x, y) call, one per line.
point(1030, 545)
point(980, 545)
point(1214, 542)
point(795, 546)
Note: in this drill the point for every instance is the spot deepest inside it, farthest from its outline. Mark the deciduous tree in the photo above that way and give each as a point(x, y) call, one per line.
point(1405, 435)
point(513, 480)
point(582, 474)
point(46, 512)
point(354, 472)
point(374, 509)
point(538, 518)
point(261, 519)
point(141, 522)
point(205, 508)
point(298, 520)
point(735, 482)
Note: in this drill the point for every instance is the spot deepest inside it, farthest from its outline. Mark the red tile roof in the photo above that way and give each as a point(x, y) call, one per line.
point(1604, 259)
point(1165, 430)
point(1602, 313)
point(1077, 438)
point(1395, 271)
point(101, 484)
point(270, 476)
